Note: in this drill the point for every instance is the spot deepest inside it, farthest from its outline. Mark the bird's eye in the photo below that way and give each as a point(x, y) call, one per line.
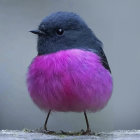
point(59, 31)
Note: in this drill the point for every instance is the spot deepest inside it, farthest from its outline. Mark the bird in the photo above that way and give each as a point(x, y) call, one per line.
point(70, 72)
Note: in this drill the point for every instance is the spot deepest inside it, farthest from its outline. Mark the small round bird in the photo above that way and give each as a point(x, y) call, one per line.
point(70, 72)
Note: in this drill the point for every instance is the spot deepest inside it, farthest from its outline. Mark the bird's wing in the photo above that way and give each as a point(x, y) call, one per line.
point(104, 59)
point(97, 47)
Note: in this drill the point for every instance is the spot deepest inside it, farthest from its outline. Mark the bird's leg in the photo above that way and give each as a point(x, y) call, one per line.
point(45, 125)
point(88, 131)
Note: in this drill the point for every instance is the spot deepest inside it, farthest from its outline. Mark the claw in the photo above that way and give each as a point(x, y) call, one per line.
point(49, 132)
point(87, 132)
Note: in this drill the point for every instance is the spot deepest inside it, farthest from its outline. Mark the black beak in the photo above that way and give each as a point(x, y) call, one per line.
point(38, 32)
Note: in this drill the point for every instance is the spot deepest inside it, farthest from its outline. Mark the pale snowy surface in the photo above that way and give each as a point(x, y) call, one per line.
point(114, 135)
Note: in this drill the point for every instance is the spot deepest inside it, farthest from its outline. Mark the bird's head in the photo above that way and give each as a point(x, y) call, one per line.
point(63, 30)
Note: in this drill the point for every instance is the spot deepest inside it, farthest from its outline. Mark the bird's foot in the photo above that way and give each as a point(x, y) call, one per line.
point(48, 131)
point(70, 133)
point(82, 132)
point(87, 132)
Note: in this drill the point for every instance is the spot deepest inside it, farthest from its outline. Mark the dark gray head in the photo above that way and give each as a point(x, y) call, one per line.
point(64, 30)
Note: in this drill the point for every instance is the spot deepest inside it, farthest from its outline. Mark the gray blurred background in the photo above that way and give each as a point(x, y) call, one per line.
point(115, 22)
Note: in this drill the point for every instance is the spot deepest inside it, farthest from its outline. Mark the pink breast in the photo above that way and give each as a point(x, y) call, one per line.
point(69, 80)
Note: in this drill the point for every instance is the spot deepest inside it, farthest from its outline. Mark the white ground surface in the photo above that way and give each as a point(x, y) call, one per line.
point(114, 135)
